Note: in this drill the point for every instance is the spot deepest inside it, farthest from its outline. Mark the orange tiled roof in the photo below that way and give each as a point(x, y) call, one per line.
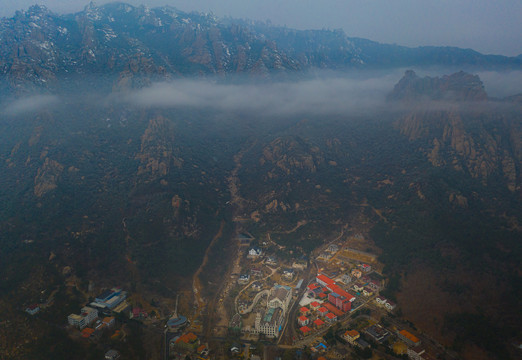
point(333, 309)
point(305, 329)
point(187, 338)
point(87, 332)
point(352, 333)
point(409, 336)
point(319, 322)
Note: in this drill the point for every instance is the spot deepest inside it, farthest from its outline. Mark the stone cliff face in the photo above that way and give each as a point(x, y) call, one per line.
point(47, 177)
point(290, 155)
point(460, 86)
point(156, 154)
point(456, 136)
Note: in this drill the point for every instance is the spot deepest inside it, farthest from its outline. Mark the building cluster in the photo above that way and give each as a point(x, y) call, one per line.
point(332, 303)
point(385, 303)
point(89, 320)
point(326, 288)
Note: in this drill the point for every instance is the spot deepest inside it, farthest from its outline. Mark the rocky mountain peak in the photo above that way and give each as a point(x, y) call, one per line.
point(38, 10)
point(460, 86)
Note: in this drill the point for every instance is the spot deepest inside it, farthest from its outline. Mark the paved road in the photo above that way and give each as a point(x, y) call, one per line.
point(288, 332)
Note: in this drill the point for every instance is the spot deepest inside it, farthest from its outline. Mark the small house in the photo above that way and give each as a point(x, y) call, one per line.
point(331, 317)
point(305, 330)
point(303, 320)
point(318, 323)
point(351, 336)
point(32, 309)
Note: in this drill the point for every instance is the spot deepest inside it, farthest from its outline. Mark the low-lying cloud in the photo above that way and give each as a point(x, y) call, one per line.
point(29, 104)
point(331, 95)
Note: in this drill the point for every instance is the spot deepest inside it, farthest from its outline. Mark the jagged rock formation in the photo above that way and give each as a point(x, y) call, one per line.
point(455, 135)
point(460, 86)
point(156, 154)
point(47, 177)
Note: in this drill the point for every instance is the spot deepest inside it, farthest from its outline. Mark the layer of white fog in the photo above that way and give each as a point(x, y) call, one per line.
point(327, 93)
point(322, 95)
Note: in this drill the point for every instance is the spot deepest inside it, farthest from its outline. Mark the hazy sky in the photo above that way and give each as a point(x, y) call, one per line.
point(488, 26)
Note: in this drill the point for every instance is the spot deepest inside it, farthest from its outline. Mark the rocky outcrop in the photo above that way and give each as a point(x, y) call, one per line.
point(291, 154)
point(47, 177)
point(455, 135)
point(457, 87)
point(156, 154)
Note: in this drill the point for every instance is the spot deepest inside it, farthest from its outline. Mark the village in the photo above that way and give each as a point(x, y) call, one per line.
point(329, 305)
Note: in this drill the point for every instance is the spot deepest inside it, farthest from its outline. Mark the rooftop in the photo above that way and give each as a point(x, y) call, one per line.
point(305, 329)
point(319, 322)
point(325, 279)
point(352, 333)
point(409, 336)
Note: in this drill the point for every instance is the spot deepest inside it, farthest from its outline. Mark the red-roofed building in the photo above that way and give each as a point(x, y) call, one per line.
point(324, 280)
point(139, 313)
point(201, 349)
point(351, 336)
point(305, 330)
point(315, 305)
point(322, 296)
point(87, 332)
point(333, 309)
point(190, 340)
point(340, 298)
point(319, 323)
point(303, 320)
point(312, 287)
point(408, 338)
point(331, 317)
point(322, 310)
point(304, 310)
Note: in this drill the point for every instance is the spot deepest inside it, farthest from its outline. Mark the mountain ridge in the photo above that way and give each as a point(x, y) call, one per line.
point(137, 44)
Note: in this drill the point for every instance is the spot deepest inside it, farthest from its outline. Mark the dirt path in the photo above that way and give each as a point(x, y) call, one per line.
point(220, 317)
point(299, 224)
point(196, 281)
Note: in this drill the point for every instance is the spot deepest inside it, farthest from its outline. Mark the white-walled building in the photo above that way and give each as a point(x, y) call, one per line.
point(280, 296)
point(85, 318)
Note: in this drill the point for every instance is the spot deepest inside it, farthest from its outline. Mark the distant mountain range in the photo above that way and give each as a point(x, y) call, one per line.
point(129, 44)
